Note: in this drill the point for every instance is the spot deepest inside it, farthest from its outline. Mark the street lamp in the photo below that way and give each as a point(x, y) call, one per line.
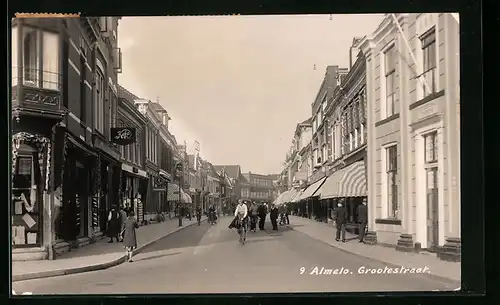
point(179, 173)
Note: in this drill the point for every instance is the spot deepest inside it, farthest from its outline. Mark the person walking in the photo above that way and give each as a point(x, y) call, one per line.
point(261, 210)
point(113, 224)
point(340, 219)
point(362, 219)
point(287, 214)
point(273, 215)
point(129, 236)
point(123, 218)
point(253, 215)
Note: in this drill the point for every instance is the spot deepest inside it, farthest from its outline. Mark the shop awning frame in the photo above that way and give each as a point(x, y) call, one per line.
point(347, 182)
point(311, 190)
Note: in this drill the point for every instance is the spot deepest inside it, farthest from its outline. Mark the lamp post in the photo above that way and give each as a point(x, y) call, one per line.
point(179, 172)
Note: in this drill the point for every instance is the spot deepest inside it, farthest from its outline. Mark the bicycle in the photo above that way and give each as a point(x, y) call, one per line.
point(242, 232)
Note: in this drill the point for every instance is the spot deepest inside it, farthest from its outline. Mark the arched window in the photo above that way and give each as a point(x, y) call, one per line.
point(31, 57)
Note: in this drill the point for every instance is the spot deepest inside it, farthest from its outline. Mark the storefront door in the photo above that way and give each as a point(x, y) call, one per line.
point(82, 200)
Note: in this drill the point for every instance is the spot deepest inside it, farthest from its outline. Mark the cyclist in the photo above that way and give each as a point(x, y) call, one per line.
point(241, 213)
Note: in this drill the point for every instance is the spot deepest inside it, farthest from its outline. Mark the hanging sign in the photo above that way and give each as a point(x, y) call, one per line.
point(123, 135)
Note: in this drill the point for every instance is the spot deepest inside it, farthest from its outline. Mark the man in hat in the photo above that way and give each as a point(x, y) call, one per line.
point(341, 220)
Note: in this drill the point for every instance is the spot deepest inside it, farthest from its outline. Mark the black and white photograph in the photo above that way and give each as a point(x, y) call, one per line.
point(235, 154)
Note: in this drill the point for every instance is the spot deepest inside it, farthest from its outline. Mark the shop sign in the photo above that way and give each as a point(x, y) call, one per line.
point(123, 135)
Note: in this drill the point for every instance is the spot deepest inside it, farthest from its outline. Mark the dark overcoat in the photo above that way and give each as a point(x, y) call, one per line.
point(129, 237)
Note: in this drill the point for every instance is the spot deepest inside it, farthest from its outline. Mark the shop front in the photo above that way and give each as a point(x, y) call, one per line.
point(348, 185)
point(134, 187)
point(106, 185)
point(77, 188)
point(155, 190)
point(30, 182)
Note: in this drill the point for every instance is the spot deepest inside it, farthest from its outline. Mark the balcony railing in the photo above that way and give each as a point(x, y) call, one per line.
point(40, 90)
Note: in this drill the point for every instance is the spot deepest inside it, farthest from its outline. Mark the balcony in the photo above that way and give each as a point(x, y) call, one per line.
point(37, 93)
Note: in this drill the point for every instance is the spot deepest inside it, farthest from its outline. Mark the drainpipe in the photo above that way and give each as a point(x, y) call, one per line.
point(422, 80)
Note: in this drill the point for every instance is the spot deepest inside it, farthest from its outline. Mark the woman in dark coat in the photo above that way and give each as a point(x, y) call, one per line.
point(113, 224)
point(129, 237)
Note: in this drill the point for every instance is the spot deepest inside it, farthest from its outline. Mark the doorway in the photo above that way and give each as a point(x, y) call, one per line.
point(82, 200)
point(432, 192)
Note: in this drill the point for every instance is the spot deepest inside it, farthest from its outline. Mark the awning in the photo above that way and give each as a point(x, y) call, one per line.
point(289, 196)
point(185, 197)
point(310, 191)
point(279, 200)
point(297, 196)
point(347, 182)
point(173, 192)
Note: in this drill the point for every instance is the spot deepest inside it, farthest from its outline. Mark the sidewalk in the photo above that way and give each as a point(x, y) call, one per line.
point(98, 256)
point(326, 233)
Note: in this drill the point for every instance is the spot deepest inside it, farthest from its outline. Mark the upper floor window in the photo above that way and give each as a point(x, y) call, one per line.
point(324, 104)
point(40, 59)
point(390, 80)
point(99, 101)
point(428, 42)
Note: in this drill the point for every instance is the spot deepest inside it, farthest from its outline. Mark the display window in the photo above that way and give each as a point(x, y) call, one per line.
point(26, 209)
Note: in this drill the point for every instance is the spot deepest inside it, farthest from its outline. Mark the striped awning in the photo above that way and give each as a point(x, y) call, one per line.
point(310, 191)
point(185, 197)
point(173, 192)
point(290, 195)
point(279, 200)
point(347, 182)
point(297, 196)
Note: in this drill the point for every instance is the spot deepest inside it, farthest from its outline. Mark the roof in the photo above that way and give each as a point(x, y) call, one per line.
point(157, 107)
point(233, 171)
point(124, 93)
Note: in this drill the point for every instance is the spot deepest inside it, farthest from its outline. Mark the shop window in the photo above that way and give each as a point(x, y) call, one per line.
point(26, 201)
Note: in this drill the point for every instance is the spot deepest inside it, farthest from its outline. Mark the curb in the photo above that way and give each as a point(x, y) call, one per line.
point(96, 267)
point(392, 265)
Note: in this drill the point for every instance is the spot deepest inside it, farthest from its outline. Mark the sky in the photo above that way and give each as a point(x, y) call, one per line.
point(236, 84)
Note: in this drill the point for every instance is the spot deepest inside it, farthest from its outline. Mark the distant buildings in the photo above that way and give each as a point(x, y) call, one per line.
point(261, 188)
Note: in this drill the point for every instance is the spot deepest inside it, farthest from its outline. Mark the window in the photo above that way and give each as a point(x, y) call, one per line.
point(99, 100)
point(41, 59)
point(83, 90)
point(428, 41)
point(392, 184)
point(431, 147)
point(25, 204)
point(390, 80)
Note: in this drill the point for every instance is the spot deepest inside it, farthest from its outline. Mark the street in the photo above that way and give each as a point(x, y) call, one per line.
point(209, 259)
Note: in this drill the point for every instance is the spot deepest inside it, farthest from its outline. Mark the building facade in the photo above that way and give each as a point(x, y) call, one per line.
point(64, 75)
point(261, 187)
point(346, 169)
point(414, 163)
point(134, 179)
